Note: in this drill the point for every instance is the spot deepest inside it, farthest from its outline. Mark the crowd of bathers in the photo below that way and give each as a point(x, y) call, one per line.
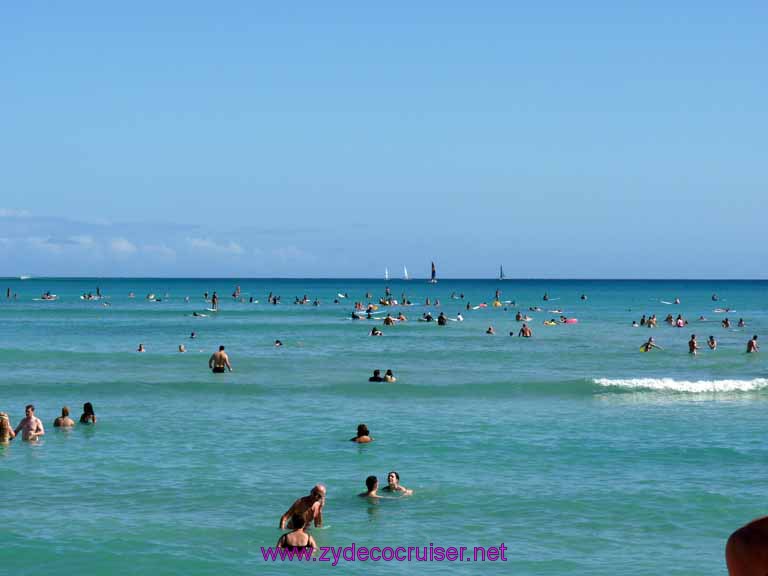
point(31, 427)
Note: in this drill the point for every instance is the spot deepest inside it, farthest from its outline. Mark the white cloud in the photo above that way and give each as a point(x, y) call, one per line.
point(44, 244)
point(160, 250)
point(207, 244)
point(290, 253)
point(84, 240)
point(122, 246)
point(10, 213)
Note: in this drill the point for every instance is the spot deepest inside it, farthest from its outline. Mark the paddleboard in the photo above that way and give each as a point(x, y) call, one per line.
point(211, 310)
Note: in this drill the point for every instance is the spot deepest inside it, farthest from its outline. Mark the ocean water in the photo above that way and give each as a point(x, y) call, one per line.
point(578, 453)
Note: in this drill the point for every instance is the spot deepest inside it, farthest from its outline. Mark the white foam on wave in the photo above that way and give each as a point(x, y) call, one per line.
point(685, 385)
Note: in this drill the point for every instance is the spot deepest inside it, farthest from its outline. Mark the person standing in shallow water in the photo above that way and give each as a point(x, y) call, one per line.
point(30, 426)
point(64, 421)
point(219, 361)
point(310, 508)
point(6, 430)
point(88, 416)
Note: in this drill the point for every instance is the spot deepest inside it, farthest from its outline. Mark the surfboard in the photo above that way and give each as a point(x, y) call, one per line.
point(211, 310)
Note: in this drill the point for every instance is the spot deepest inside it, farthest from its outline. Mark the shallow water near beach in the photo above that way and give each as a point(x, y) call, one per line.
point(580, 454)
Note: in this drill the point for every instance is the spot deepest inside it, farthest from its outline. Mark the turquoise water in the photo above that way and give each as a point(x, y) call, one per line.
point(580, 454)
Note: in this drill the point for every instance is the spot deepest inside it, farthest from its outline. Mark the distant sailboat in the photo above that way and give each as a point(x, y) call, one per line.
point(405, 274)
point(501, 273)
point(386, 273)
point(433, 278)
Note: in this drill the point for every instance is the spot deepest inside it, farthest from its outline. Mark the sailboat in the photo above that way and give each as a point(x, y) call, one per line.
point(405, 274)
point(386, 273)
point(501, 273)
point(433, 278)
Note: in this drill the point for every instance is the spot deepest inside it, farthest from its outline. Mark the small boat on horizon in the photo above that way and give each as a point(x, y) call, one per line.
point(405, 274)
point(386, 273)
point(501, 273)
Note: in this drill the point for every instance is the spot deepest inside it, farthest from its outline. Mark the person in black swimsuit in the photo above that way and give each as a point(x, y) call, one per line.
point(298, 539)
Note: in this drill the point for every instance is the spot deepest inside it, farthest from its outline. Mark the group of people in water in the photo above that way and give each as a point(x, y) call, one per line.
point(31, 427)
point(307, 511)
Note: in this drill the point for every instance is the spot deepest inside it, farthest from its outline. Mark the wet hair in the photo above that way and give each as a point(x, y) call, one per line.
point(221, 348)
point(32, 406)
point(297, 521)
point(371, 482)
point(362, 430)
point(376, 372)
point(88, 409)
point(64, 412)
point(396, 475)
point(388, 373)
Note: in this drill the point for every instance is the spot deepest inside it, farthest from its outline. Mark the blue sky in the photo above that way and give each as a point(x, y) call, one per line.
point(336, 139)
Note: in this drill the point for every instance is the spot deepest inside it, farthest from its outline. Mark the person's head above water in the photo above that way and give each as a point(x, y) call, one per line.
point(362, 430)
point(298, 521)
point(371, 482)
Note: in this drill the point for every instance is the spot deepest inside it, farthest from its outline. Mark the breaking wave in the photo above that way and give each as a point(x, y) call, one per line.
point(684, 385)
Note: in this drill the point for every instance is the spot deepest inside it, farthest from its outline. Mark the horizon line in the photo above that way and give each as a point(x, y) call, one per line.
point(378, 279)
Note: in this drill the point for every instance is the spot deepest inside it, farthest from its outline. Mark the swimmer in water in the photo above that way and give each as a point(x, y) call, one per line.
point(182, 348)
point(278, 343)
point(6, 430)
point(140, 348)
point(712, 343)
point(693, 346)
point(650, 345)
point(389, 376)
point(376, 332)
point(525, 332)
point(752, 345)
point(88, 416)
point(490, 331)
point(31, 427)
point(64, 421)
point(219, 361)
point(299, 539)
point(310, 508)
point(393, 485)
point(376, 376)
point(363, 435)
point(371, 486)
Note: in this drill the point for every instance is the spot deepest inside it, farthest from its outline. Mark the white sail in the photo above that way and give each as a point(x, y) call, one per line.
point(405, 273)
point(386, 273)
